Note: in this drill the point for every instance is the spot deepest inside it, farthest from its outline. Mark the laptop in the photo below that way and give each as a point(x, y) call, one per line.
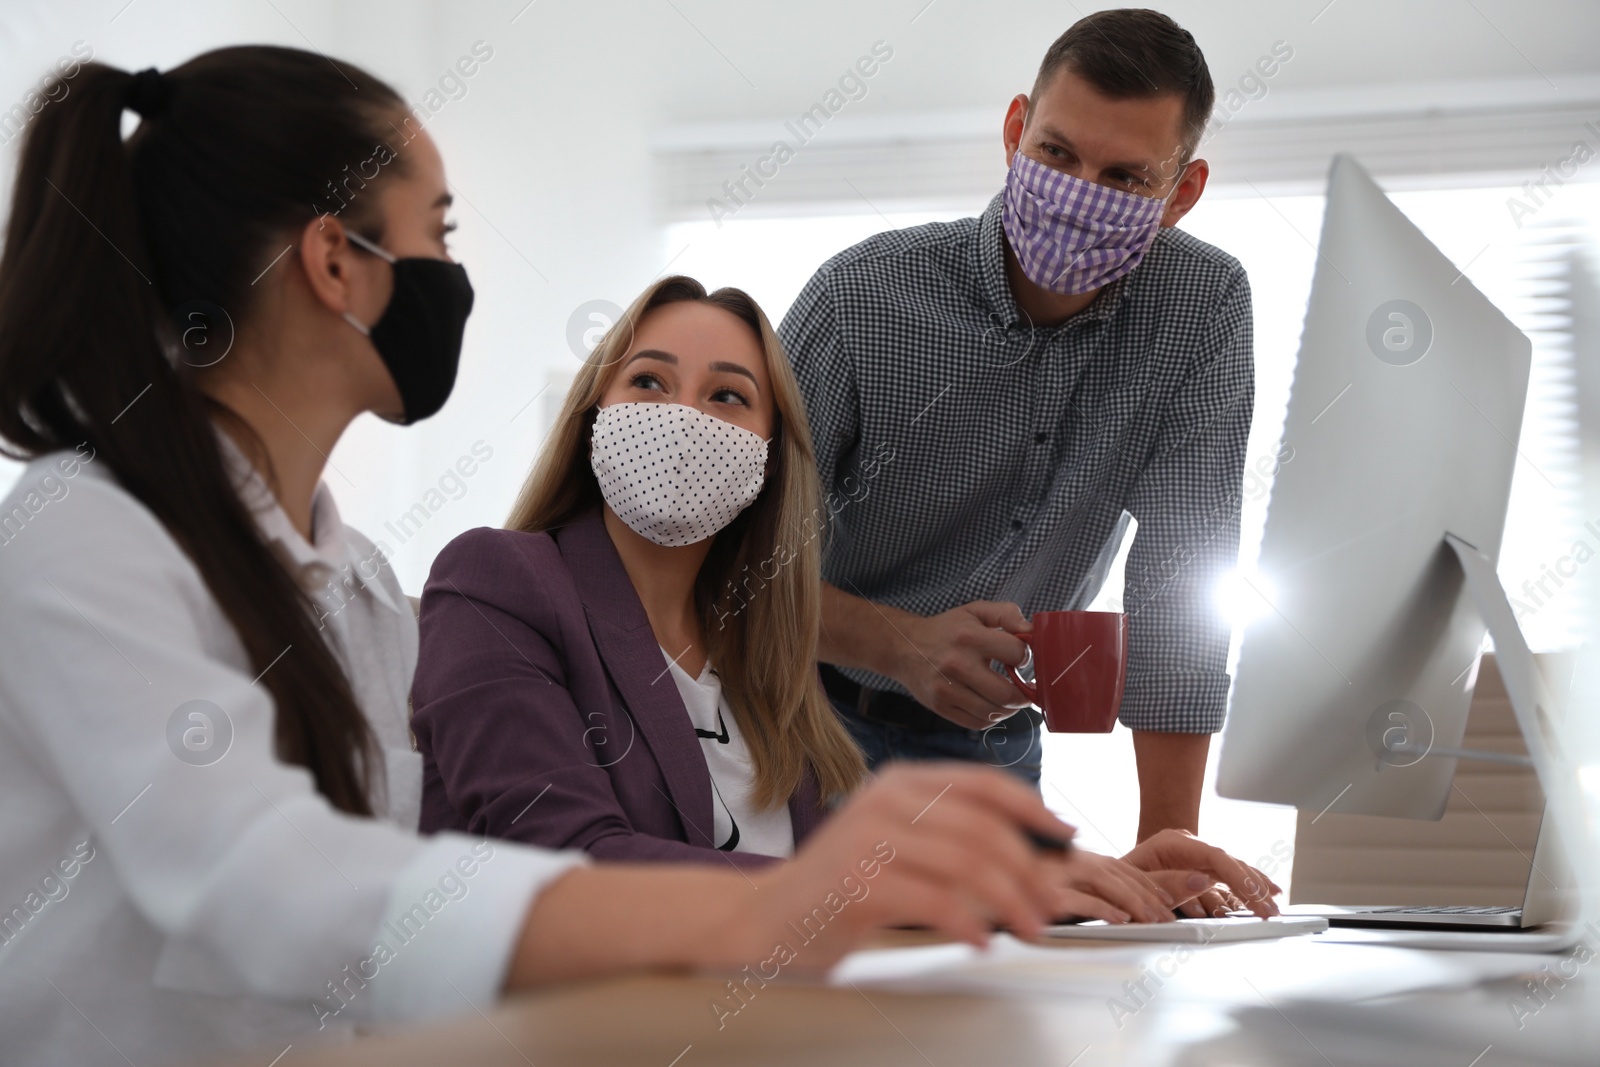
point(1549, 898)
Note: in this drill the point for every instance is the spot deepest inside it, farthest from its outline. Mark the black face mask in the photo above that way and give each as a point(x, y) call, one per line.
point(419, 336)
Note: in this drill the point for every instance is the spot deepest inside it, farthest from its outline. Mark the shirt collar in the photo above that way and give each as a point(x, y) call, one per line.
point(996, 287)
point(329, 558)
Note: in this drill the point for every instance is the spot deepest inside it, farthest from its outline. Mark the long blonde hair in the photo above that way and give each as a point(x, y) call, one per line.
point(763, 640)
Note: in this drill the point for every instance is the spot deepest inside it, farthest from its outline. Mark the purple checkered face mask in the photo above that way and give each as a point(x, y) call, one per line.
point(1071, 235)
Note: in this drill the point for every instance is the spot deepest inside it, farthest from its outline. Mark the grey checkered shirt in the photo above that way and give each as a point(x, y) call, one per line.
point(973, 456)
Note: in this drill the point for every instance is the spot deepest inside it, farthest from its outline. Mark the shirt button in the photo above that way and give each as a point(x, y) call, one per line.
point(1016, 524)
point(1040, 438)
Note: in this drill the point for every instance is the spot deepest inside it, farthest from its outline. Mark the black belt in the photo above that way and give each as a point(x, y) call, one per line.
point(885, 706)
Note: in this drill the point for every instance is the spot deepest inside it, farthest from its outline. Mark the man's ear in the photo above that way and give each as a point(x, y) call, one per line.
point(1184, 197)
point(1016, 119)
point(328, 260)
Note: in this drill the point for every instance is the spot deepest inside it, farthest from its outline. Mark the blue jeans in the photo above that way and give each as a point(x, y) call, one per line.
point(1012, 744)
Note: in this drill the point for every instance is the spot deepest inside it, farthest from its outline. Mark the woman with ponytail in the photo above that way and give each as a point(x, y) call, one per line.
point(209, 788)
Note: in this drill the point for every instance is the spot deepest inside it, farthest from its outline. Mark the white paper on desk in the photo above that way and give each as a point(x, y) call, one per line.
point(1008, 965)
point(1293, 967)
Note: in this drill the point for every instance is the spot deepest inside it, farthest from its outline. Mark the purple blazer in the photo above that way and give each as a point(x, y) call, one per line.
point(544, 710)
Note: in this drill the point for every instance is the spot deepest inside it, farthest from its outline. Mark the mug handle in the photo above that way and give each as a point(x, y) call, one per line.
point(1029, 689)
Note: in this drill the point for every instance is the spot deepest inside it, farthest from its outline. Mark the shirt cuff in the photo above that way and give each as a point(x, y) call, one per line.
point(454, 913)
point(1175, 702)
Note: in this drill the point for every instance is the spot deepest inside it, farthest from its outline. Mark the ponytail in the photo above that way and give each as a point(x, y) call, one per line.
point(106, 241)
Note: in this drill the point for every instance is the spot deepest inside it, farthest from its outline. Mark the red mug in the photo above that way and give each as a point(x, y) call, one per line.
point(1080, 666)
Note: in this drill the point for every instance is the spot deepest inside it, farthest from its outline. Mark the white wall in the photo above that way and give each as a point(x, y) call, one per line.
point(547, 154)
point(955, 54)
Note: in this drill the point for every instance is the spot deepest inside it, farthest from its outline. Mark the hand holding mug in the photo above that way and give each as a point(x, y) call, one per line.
point(1080, 667)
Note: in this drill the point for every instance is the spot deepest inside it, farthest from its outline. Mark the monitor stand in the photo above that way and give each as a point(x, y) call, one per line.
point(1525, 683)
point(1531, 699)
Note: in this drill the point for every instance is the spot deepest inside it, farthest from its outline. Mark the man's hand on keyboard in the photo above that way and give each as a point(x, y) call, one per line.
point(1203, 879)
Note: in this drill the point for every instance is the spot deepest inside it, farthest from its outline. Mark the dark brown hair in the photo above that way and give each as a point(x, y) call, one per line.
point(1132, 53)
point(106, 243)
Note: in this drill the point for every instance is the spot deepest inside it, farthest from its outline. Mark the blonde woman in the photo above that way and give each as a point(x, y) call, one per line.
point(603, 660)
point(630, 668)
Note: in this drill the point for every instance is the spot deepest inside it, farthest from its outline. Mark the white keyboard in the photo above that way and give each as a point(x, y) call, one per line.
point(1191, 931)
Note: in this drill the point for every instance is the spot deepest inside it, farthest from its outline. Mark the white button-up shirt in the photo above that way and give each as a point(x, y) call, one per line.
point(169, 889)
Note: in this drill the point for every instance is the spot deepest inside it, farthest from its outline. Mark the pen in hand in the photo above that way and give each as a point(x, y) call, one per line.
point(1054, 845)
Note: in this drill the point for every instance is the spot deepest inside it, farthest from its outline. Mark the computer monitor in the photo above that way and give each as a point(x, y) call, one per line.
point(1403, 419)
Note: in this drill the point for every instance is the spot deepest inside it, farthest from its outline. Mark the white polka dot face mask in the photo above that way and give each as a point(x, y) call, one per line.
point(673, 473)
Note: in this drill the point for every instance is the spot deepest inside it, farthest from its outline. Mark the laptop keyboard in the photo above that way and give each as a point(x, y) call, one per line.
point(1457, 910)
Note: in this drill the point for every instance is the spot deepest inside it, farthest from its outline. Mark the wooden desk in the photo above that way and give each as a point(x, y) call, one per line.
point(1236, 1004)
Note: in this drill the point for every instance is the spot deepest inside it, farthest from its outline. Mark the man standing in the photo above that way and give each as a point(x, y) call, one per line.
point(992, 398)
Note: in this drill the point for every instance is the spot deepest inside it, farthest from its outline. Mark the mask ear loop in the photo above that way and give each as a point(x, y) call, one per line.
point(366, 246)
point(362, 243)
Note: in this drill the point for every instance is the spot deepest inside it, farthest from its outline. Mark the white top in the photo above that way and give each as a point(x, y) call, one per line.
point(737, 825)
point(170, 890)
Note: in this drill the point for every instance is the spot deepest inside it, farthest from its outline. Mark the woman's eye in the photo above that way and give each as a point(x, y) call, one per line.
point(730, 396)
point(645, 381)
